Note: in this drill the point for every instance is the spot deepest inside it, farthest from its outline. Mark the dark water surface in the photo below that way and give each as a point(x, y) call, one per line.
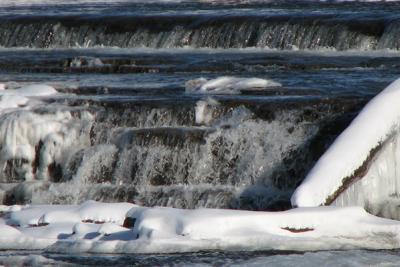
point(217, 258)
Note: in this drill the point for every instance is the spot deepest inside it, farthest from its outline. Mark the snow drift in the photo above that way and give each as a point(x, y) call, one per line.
point(127, 228)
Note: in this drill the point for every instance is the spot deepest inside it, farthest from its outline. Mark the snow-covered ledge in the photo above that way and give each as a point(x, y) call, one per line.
point(127, 228)
point(360, 167)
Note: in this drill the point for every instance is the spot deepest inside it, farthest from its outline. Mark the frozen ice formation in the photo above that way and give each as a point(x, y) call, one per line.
point(25, 134)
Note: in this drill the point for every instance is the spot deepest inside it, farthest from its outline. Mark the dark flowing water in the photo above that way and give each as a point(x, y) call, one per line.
point(145, 144)
point(217, 258)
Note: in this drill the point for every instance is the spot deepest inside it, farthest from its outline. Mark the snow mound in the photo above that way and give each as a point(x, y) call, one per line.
point(360, 167)
point(89, 211)
point(127, 228)
point(20, 97)
point(228, 85)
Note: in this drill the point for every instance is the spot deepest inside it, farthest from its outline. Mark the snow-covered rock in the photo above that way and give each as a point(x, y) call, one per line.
point(361, 166)
point(228, 85)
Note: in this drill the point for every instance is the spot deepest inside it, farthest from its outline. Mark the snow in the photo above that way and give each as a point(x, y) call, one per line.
point(14, 98)
point(88, 211)
point(228, 85)
point(375, 124)
point(98, 227)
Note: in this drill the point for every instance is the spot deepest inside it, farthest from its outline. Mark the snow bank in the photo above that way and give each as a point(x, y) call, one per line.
point(128, 228)
point(228, 85)
point(37, 227)
point(358, 150)
point(90, 211)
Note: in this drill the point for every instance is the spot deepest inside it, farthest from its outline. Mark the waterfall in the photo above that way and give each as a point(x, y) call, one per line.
point(275, 32)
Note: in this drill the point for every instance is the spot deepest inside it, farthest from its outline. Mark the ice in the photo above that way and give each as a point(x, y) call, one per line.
point(379, 189)
point(23, 131)
point(363, 149)
point(228, 85)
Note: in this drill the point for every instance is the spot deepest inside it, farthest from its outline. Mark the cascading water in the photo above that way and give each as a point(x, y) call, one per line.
point(200, 31)
point(157, 126)
point(246, 156)
point(124, 127)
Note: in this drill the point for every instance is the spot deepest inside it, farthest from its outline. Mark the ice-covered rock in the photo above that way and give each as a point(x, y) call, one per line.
point(228, 85)
point(361, 166)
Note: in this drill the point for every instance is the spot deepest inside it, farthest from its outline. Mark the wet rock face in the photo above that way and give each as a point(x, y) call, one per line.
point(250, 155)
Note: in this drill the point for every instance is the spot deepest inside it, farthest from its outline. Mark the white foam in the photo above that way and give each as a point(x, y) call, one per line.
point(204, 110)
point(228, 85)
